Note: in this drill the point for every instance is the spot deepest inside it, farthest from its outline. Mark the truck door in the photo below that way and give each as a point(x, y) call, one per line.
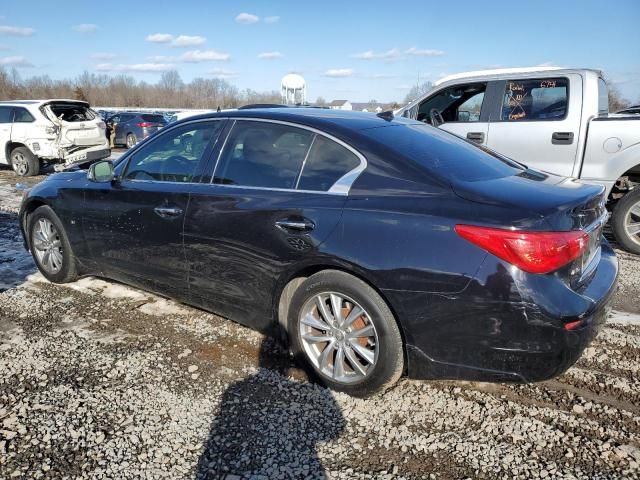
point(462, 110)
point(536, 121)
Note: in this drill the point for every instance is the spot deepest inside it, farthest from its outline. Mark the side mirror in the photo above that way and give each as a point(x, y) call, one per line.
point(101, 172)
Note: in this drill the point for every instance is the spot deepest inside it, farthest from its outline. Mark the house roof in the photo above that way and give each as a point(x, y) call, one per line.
point(338, 103)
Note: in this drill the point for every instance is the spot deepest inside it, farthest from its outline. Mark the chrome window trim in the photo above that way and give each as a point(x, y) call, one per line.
point(340, 187)
point(130, 153)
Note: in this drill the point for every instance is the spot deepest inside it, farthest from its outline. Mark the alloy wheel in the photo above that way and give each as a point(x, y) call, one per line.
point(20, 163)
point(632, 223)
point(131, 141)
point(338, 337)
point(47, 246)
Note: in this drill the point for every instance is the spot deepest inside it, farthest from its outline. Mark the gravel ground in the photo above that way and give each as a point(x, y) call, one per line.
point(99, 380)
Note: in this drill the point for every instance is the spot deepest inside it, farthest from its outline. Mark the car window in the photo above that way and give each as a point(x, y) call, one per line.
point(460, 103)
point(5, 114)
point(114, 119)
point(603, 97)
point(153, 118)
point(261, 154)
point(443, 154)
point(72, 112)
point(326, 163)
point(22, 115)
point(174, 155)
point(535, 99)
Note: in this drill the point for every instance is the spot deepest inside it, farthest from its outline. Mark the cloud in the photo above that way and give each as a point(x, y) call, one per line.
point(15, 61)
point(424, 52)
point(191, 56)
point(159, 38)
point(222, 73)
point(4, 47)
point(103, 56)
point(371, 55)
point(16, 31)
point(270, 55)
point(403, 87)
point(247, 18)
point(86, 27)
point(136, 67)
point(187, 41)
point(271, 19)
point(197, 56)
point(338, 72)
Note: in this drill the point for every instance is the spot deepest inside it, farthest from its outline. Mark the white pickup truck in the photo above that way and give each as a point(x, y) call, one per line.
point(549, 118)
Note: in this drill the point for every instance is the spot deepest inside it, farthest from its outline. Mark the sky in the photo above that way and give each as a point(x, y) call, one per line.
point(354, 50)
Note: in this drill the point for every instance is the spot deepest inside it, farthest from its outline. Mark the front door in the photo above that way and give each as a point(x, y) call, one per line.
point(5, 132)
point(267, 211)
point(537, 122)
point(133, 227)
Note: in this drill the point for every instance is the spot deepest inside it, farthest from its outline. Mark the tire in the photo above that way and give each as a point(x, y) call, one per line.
point(379, 353)
point(131, 140)
point(625, 215)
point(57, 239)
point(24, 163)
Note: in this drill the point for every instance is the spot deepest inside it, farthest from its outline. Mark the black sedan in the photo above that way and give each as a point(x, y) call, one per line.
point(381, 246)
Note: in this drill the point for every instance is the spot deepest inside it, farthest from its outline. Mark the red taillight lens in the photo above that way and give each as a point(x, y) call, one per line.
point(533, 252)
point(146, 124)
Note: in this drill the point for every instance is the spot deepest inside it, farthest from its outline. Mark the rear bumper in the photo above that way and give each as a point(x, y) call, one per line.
point(87, 155)
point(520, 339)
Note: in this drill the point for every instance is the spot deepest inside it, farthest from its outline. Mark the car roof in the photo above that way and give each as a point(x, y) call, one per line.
point(34, 102)
point(323, 119)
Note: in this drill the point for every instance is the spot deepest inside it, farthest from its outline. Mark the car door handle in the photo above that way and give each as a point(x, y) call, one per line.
point(562, 138)
point(168, 212)
point(477, 137)
point(297, 225)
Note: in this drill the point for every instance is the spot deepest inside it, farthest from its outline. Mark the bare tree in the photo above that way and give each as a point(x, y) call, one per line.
point(417, 91)
point(616, 101)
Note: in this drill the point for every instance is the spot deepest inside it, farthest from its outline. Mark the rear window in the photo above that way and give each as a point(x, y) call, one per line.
point(71, 112)
point(444, 154)
point(535, 99)
point(151, 118)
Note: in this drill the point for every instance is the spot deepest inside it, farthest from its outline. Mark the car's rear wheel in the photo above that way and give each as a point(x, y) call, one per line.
point(24, 163)
point(131, 140)
point(50, 246)
point(344, 331)
point(626, 221)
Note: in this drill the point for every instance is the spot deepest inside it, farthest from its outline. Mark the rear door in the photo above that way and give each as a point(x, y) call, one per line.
point(5, 131)
point(268, 208)
point(462, 109)
point(536, 121)
point(133, 227)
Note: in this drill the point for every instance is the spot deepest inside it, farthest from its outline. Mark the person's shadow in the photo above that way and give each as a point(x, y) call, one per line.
point(268, 426)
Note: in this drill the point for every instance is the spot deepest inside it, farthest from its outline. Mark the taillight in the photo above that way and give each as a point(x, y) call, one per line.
point(146, 124)
point(102, 125)
point(533, 252)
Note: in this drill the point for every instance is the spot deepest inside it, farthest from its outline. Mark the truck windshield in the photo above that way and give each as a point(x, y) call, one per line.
point(446, 155)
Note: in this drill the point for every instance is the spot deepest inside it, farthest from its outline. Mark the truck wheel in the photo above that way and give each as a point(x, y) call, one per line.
point(626, 221)
point(24, 163)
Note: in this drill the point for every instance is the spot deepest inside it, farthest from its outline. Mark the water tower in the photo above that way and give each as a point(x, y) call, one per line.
point(293, 89)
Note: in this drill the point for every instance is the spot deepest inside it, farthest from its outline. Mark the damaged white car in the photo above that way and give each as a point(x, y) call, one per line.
point(61, 132)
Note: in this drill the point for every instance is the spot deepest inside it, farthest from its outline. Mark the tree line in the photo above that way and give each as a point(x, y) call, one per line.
point(125, 91)
point(170, 91)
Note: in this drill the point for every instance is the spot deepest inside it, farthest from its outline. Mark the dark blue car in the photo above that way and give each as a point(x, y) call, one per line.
point(381, 246)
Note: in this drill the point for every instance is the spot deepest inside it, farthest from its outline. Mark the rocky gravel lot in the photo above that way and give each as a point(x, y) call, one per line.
point(99, 380)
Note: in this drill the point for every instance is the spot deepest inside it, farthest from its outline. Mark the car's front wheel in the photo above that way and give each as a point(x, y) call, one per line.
point(626, 221)
point(344, 331)
point(24, 163)
point(50, 246)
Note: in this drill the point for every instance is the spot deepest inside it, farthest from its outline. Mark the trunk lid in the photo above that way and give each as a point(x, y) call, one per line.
point(558, 203)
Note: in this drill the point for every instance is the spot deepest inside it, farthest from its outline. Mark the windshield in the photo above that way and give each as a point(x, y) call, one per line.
point(444, 154)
